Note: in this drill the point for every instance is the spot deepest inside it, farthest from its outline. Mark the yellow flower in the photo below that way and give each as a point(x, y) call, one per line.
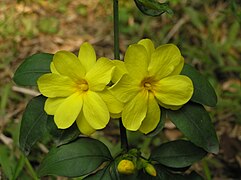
point(151, 78)
point(126, 167)
point(76, 90)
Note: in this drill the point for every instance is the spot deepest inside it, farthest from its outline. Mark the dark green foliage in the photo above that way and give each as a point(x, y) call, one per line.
point(107, 173)
point(32, 68)
point(75, 159)
point(153, 7)
point(177, 154)
point(62, 136)
point(163, 174)
point(33, 123)
point(195, 123)
point(203, 91)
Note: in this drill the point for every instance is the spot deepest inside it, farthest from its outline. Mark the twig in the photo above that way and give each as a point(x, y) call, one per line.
point(43, 148)
point(25, 91)
point(175, 28)
point(6, 140)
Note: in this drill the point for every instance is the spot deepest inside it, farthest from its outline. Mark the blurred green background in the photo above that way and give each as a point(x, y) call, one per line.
point(207, 32)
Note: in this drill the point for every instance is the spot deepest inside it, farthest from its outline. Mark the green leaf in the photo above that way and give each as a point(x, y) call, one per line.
point(62, 136)
point(177, 154)
point(108, 173)
point(19, 166)
point(33, 123)
point(129, 177)
point(194, 122)
point(160, 125)
point(32, 68)
point(203, 90)
point(184, 169)
point(153, 7)
point(7, 162)
point(75, 159)
point(164, 174)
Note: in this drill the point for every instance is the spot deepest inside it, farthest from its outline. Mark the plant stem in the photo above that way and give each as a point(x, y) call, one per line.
point(206, 169)
point(116, 29)
point(124, 141)
point(30, 169)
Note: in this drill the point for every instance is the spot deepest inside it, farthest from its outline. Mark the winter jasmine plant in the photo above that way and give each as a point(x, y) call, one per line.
point(82, 94)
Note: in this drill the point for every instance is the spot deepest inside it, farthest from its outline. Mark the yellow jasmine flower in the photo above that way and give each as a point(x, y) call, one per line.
point(76, 90)
point(126, 167)
point(151, 78)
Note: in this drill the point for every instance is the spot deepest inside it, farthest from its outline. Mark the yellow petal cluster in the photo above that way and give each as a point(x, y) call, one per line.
point(126, 167)
point(148, 78)
point(77, 90)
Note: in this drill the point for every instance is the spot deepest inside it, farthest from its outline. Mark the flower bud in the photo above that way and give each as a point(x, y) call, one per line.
point(150, 169)
point(126, 167)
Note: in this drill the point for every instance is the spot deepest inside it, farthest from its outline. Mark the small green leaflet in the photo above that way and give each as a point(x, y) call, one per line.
point(195, 123)
point(32, 68)
point(107, 173)
point(75, 159)
point(61, 136)
point(203, 90)
point(153, 7)
point(33, 124)
point(177, 154)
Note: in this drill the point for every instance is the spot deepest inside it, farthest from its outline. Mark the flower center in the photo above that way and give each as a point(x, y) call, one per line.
point(148, 83)
point(147, 86)
point(83, 86)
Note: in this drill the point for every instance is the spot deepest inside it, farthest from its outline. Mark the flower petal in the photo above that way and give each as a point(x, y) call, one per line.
point(87, 56)
point(134, 111)
point(83, 125)
point(177, 70)
point(125, 89)
point(174, 90)
point(113, 104)
point(53, 69)
point(136, 61)
point(115, 116)
point(169, 106)
point(54, 85)
point(68, 111)
point(164, 60)
point(100, 75)
point(95, 110)
point(148, 44)
point(66, 63)
point(52, 104)
point(119, 71)
point(153, 115)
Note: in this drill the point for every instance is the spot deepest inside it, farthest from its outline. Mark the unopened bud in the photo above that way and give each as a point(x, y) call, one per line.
point(150, 169)
point(126, 167)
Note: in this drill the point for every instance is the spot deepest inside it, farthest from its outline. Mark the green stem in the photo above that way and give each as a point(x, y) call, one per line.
point(116, 29)
point(206, 170)
point(124, 141)
point(31, 170)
